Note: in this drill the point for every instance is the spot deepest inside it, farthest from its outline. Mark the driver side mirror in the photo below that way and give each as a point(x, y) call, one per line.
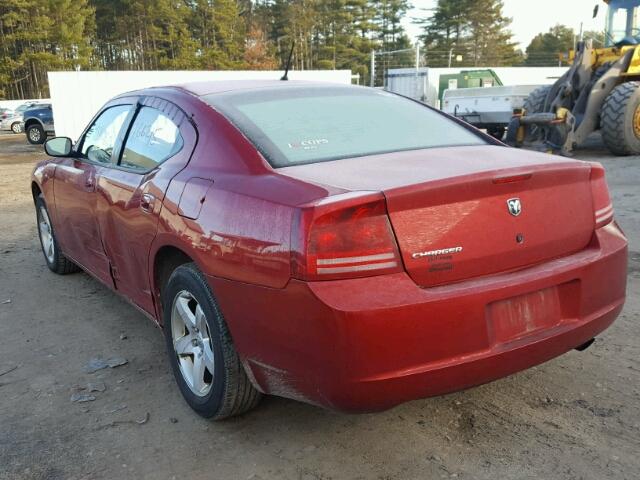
point(58, 147)
point(596, 9)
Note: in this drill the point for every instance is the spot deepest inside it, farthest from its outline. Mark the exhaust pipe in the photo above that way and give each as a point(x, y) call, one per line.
point(585, 345)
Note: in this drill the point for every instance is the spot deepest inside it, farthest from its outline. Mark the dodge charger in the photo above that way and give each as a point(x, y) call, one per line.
point(337, 245)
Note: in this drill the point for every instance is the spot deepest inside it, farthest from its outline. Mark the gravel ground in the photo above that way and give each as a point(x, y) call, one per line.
point(575, 417)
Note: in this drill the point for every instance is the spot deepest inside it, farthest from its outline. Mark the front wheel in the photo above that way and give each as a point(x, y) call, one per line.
point(16, 127)
point(56, 261)
point(535, 103)
point(536, 100)
point(620, 119)
point(36, 134)
point(205, 363)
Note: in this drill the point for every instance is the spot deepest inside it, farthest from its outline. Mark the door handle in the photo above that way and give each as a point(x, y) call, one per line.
point(146, 202)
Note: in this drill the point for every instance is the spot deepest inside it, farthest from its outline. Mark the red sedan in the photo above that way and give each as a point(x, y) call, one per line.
point(337, 245)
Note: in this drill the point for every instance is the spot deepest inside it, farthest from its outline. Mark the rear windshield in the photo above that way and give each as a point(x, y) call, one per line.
point(299, 125)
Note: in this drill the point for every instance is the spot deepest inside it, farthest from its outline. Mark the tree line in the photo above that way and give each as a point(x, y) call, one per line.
point(37, 36)
point(476, 31)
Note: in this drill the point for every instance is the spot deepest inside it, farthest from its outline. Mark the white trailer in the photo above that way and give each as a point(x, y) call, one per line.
point(490, 108)
point(410, 82)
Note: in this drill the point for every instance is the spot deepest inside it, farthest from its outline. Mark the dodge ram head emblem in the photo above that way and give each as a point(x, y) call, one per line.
point(514, 206)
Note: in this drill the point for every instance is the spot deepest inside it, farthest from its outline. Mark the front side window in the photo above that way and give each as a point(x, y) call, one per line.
point(100, 139)
point(153, 139)
point(299, 125)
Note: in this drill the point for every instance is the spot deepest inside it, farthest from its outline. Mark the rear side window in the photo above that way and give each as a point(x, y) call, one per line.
point(153, 138)
point(299, 125)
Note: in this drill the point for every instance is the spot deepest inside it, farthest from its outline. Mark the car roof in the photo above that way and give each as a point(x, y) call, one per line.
point(224, 86)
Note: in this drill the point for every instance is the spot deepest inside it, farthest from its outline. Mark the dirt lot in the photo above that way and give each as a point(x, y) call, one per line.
point(576, 417)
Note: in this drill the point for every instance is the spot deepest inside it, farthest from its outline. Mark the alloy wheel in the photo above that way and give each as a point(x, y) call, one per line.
point(192, 343)
point(46, 235)
point(34, 135)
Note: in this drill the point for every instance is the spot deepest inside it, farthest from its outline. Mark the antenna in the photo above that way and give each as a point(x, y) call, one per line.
point(285, 77)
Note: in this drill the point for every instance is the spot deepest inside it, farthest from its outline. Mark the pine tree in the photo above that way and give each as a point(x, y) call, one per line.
point(445, 30)
point(220, 31)
point(389, 14)
point(40, 36)
point(37, 36)
point(476, 30)
point(490, 42)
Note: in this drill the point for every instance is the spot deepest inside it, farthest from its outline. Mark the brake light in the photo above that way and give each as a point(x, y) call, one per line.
point(602, 206)
point(345, 239)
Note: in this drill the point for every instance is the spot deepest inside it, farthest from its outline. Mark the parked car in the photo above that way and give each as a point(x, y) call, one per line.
point(14, 122)
point(338, 245)
point(5, 113)
point(38, 123)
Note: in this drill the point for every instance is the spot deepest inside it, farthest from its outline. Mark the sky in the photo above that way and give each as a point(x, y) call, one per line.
point(530, 17)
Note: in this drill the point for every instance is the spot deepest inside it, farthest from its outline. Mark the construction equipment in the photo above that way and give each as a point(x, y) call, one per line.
point(601, 90)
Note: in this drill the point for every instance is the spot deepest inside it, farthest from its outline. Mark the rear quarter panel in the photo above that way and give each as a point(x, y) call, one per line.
point(235, 236)
point(243, 229)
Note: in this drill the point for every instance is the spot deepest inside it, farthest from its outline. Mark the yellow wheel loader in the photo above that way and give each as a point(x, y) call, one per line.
point(600, 91)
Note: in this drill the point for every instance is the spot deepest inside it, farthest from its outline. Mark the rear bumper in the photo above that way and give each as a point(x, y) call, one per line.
point(371, 343)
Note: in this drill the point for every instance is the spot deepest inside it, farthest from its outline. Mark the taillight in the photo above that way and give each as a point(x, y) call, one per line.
point(345, 239)
point(602, 206)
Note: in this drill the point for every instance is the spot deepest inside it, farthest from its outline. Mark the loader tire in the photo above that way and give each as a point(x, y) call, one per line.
point(535, 101)
point(620, 119)
point(535, 104)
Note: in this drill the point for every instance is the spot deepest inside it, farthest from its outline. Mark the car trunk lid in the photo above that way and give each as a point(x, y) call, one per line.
point(459, 213)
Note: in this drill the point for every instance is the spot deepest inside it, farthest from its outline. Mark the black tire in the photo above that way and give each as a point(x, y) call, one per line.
point(16, 127)
point(535, 104)
point(617, 119)
point(36, 134)
point(512, 132)
point(56, 261)
point(535, 101)
point(231, 392)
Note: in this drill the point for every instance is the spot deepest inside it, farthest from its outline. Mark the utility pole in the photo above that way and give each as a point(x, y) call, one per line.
point(417, 78)
point(450, 55)
point(373, 68)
